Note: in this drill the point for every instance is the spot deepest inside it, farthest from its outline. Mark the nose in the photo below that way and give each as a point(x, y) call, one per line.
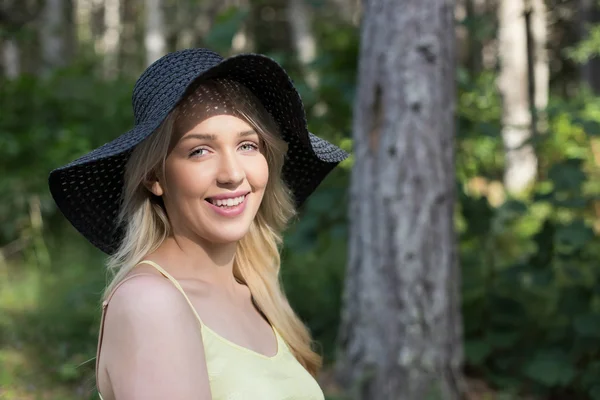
point(230, 171)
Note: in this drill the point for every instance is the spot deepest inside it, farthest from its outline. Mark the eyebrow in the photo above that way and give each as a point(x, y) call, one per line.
point(213, 137)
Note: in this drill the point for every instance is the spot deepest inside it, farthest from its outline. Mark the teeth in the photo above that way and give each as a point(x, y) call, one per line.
point(228, 202)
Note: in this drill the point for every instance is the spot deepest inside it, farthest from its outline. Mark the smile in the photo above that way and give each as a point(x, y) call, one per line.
point(228, 207)
point(231, 202)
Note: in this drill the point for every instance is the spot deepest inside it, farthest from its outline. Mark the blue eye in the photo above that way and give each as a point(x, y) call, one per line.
point(248, 146)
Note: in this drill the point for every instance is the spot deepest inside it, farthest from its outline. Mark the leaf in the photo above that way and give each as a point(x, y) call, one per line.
point(551, 368)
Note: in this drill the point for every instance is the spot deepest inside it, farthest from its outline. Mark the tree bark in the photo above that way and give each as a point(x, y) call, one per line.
point(520, 158)
point(348, 10)
point(154, 40)
point(132, 54)
point(475, 9)
point(304, 40)
point(52, 35)
point(11, 58)
point(541, 67)
point(401, 330)
point(112, 37)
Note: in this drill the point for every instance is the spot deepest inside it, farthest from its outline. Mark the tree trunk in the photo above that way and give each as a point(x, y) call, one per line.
point(538, 71)
point(112, 37)
point(541, 67)
point(52, 35)
point(304, 41)
point(475, 9)
point(520, 158)
point(401, 331)
point(11, 58)
point(132, 55)
point(83, 19)
point(348, 10)
point(154, 40)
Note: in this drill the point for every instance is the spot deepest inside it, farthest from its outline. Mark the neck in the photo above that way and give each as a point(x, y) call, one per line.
point(195, 258)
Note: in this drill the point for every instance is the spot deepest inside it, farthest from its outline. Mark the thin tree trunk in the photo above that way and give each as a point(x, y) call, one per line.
point(539, 30)
point(303, 38)
point(11, 58)
point(83, 18)
point(520, 158)
point(401, 332)
point(475, 9)
point(537, 60)
point(154, 40)
point(52, 35)
point(132, 55)
point(348, 10)
point(112, 37)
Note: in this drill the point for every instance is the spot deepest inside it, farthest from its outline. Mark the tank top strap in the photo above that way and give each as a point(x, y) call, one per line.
point(107, 301)
point(175, 283)
point(103, 318)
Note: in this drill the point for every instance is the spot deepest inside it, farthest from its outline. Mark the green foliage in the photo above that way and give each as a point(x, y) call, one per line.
point(531, 298)
point(49, 294)
point(587, 48)
point(45, 124)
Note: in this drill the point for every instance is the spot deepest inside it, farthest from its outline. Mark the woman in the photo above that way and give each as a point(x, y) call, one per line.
point(190, 205)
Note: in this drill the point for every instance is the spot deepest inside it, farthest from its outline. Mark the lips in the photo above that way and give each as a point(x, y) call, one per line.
point(229, 205)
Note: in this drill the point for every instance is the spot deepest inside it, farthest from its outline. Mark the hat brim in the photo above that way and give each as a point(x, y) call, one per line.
point(88, 190)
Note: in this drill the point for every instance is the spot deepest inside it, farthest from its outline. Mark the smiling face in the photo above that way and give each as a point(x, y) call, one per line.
point(214, 179)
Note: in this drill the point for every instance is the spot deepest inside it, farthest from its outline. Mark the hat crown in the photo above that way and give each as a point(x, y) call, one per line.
point(165, 81)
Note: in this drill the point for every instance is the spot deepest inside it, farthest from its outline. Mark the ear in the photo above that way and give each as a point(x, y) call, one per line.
point(154, 186)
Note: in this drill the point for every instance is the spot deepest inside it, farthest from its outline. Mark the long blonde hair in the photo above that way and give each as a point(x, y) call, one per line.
point(257, 258)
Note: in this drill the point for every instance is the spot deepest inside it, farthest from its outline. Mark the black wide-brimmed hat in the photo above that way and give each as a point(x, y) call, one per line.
point(88, 190)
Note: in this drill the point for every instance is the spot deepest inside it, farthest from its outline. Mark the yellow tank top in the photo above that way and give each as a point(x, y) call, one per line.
point(236, 372)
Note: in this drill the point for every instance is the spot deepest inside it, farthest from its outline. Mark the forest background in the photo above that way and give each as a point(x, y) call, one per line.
point(527, 215)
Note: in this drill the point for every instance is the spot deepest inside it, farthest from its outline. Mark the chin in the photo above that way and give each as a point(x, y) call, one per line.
point(225, 235)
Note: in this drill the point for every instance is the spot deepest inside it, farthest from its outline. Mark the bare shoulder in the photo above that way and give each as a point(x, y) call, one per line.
point(152, 345)
point(143, 293)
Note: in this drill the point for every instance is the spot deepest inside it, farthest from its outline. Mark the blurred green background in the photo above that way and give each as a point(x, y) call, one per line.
point(530, 263)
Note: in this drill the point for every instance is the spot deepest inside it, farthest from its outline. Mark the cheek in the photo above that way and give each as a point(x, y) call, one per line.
point(187, 179)
point(258, 172)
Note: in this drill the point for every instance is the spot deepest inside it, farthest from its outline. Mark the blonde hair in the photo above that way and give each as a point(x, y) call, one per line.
point(257, 258)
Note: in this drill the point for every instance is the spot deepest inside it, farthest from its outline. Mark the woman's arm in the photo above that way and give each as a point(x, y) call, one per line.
point(153, 344)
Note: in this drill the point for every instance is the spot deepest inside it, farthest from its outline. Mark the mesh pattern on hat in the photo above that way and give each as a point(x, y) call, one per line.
point(88, 190)
point(205, 102)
